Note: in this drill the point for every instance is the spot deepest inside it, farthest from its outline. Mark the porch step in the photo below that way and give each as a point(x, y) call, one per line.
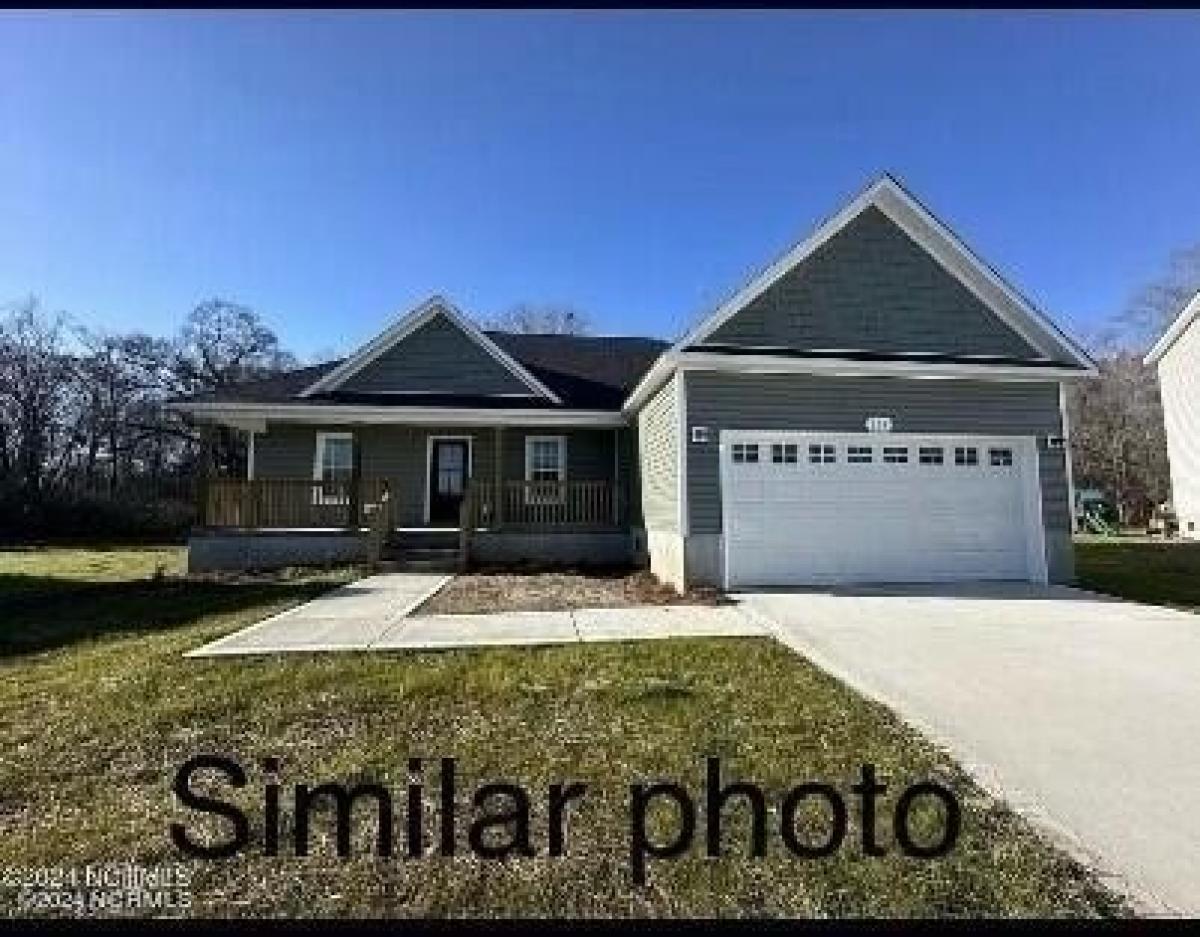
point(424, 539)
point(423, 559)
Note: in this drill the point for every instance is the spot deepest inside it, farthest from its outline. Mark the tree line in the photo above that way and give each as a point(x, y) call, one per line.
point(87, 446)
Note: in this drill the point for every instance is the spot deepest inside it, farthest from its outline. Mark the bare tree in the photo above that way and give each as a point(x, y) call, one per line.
point(225, 343)
point(34, 371)
point(1118, 439)
point(529, 319)
point(1154, 307)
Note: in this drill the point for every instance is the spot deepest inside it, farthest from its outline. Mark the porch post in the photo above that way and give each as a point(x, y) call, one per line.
point(498, 478)
point(616, 480)
point(355, 499)
point(205, 473)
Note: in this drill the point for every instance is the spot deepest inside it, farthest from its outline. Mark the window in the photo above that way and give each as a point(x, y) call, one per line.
point(745, 452)
point(895, 455)
point(1000, 456)
point(932, 455)
point(786, 453)
point(966, 455)
point(822, 454)
point(333, 466)
point(859, 454)
point(546, 467)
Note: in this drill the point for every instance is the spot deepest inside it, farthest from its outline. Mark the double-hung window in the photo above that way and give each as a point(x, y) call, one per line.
point(545, 469)
point(333, 467)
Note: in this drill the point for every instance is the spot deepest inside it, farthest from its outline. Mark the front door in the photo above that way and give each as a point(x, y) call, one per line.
point(449, 466)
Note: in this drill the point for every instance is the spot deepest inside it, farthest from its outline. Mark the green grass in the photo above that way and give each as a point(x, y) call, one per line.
point(1145, 571)
point(27, 571)
point(98, 708)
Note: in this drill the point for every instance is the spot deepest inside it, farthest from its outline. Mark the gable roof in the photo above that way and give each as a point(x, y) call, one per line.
point(889, 197)
point(584, 373)
point(405, 326)
point(1187, 315)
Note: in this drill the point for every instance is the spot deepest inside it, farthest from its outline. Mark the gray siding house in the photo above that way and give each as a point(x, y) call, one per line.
point(1177, 355)
point(878, 405)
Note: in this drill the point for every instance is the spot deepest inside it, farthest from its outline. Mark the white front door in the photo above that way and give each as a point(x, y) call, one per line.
point(802, 508)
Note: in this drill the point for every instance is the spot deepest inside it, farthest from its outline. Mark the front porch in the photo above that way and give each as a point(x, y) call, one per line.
point(425, 497)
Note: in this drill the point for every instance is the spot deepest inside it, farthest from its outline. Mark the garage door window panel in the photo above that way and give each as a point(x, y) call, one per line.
point(895, 455)
point(966, 455)
point(786, 453)
point(860, 455)
point(745, 453)
point(822, 454)
point(932, 455)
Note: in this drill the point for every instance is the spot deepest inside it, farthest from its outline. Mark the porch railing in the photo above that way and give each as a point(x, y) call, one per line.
point(538, 505)
point(300, 503)
point(290, 503)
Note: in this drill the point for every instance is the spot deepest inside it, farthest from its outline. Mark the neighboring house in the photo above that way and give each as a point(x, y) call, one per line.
point(1177, 355)
point(878, 405)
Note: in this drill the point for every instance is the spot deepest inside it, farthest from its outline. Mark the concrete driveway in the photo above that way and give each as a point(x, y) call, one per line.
point(1082, 712)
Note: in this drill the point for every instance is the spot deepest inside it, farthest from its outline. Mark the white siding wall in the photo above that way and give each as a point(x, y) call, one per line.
point(658, 464)
point(1179, 376)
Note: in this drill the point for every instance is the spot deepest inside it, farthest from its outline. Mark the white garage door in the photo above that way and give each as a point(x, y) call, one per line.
point(823, 508)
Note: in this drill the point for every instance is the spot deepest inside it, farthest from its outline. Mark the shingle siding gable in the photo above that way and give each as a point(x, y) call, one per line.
point(438, 358)
point(872, 288)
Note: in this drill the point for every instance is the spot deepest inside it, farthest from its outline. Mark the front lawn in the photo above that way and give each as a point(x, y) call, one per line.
point(1143, 570)
point(98, 709)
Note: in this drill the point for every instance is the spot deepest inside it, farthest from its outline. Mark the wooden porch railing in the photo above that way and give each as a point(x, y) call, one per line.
point(290, 503)
point(539, 505)
point(295, 503)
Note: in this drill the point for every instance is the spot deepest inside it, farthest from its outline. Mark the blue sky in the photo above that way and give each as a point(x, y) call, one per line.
point(333, 169)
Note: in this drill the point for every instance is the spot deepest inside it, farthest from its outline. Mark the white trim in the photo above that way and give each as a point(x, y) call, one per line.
point(562, 454)
point(562, 466)
point(367, 414)
point(1039, 565)
point(429, 441)
point(779, 364)
point(250, 456)
point(319, 451)
point(425, 393)
point(318, 491)
point(409, 323)
point(682, 521)
point(938, 241)
point(1186, 317)
point(1065, 429)
point(723, 473)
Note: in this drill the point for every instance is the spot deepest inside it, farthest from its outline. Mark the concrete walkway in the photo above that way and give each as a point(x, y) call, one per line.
point(372, 614)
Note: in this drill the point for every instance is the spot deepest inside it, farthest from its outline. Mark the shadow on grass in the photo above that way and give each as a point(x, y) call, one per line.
point(43, 613)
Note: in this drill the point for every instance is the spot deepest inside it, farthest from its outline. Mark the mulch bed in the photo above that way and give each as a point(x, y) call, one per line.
point(496, 590)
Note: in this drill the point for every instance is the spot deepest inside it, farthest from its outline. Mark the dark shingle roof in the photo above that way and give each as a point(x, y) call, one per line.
point(586, 372)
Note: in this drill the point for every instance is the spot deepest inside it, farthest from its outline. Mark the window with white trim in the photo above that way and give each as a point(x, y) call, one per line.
point(966, 455)
point(895, 455)
point(1000, 456)
point(333, 466)
point(745, 452)
point(932, 455)
point(822, 454)
point(546, 466)
point(860, 455)
point(784, 453)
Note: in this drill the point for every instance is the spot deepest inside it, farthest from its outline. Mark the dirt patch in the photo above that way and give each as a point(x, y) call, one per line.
point(554, 590)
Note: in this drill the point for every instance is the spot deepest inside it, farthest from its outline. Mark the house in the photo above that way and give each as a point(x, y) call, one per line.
point(876, 405)
point(1177, 355)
